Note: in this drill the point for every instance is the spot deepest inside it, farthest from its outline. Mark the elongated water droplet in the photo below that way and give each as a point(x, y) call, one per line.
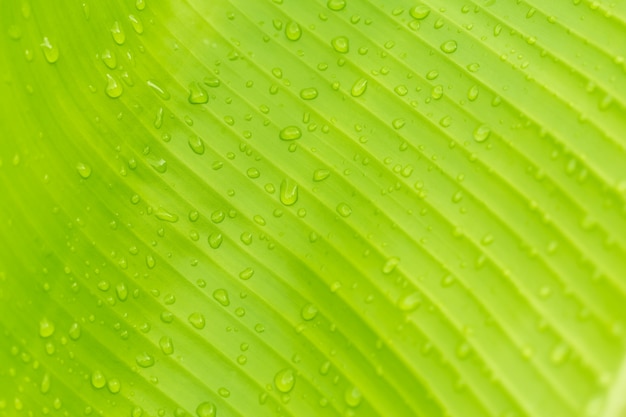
point(308, 93)
point(336, 5)
point(46, 328)
point(398, 123)
point(390, 265)
point(409, 302)
point(144, 360)
point(320, 174)
point(288, 192)
point(290, 133)
point(359, 87)
point(344, 210)
point(165, 215)
point(158, 89)
point(449, 46)
point(293, 32)
point(136, 23)
point(215, 240)
point(419, 12)
point(150, 261)
point(481, 133)
point(285, 380)
point(341, 44)
point(197, 320)
point(109, 58)
point(118, 33)
point(45, 383)
point(167, 345)
point(197, 94)
point(50, 50)
point(472, 93)
point(114, 385)
point(221, 296)
point(98, 380)
point(159, 165)
point(83, 170)
point(246, 274)
point(206, 409)
point(196, 144)
point(353, 397)
point(114, 88)
point(74, 331)
point(308, 312)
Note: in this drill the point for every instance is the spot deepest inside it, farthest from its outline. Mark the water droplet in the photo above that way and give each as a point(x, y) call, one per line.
point(74, 331)
point(144, 360)
point(83, 169)
point(223, 392)
point(481, 133)
point(150, 261)
point(472, 93)
point(206, 409)
point(353, 397)
point(121, 291)
point(109, 58)
point(45, 384)
point(341, 44)
point(140, 5)
point(221, 296)
point(118, 33)
point(288, 192)
point(309, 93)
point(290, 133)
point(137, 412)
point(308, 312)
point(167, 345)
point(344, 210)
point(359, 87)
point(97, 379)
point(419, 12)
point(114, 385)
point(196, 144)
point(390, 265)
point(197, 320)
point(293, 32)
point(246, 274)
point(50, 51)
point(336, 5)
point(401, 90)
point(559, 353)
point(320, 174)
point(463, 350)
point(159, 165)
point(158, 89)
point(136, 23)
point(215, 240)
point(197, 94)
point(409, 302)
point(46, 328)
point(165, 215)
point(398, 123)
point(285, 380)
point(114, 88)
point(449, 47)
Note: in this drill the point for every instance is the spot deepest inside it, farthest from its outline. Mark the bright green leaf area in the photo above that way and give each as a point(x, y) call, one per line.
point(308, 208)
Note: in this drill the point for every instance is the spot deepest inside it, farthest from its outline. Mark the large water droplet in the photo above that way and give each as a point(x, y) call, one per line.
point(353, 396)
point(74, 331)
point(197, 320)
point(197, 94)
point(145, 360)
point(308, 312)
point(419, 12)
point(341, 44)
point(50, 51)
point(336, 5)
point(46, 328)
point(221, 296)
point(83, 170)
point(167, 345)
point(472, 93)
point(293, 32)
point(196, 144)
point(290, 133)
point(308, 93)
point(288, 192)
point(98, 380)
point(359, 87)
point(481, 133)
point(206, 409)
point(114, 385)
point(320, 174)
point(344, 210)
point(285, 380)
point(118, 33)
point(114, 88)
point(215, 240)
point(109, 58)
point(449, 46)
point(409, 302)
point(136, 23)
point(165, 215)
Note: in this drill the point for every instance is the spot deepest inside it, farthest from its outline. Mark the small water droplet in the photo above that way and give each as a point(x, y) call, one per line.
point(150, 261)
point(344, 210)
point(215, 240)
point(74, 331)
point(308, 312)
point(223, 392)
point(359, 87)
point(136, 23)
point(46, 328)
point(50, 50)
point(449, 46)
point(114, 385)
point(419, 12)
point(197, 320)
point(293, 32)
point(285, 380)
point(341, 44)
point(83, 169)
point(309, 93)
point(221, 296)
point(336, 5)
point(409, 302)
point(472, 93)
point(290, 133)
point(114, 88)
point(118, 33)
point(398, 123)
point(167, 345)
point(145, 360)
point(288, 192)
point(196, 144)
point(98, 379)
point(140, 5)
point(390, 265)
point(197, 94)
point(401, 90)
point(246, 274)
point(45, 384)
point(165, 215)
point(320, 174)
point(481, 133)
point(353, 397)
point(206, 409)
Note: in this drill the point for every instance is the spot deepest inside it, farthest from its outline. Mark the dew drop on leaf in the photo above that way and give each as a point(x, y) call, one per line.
point(98, 379)
point(285, 380)
point(118, 33)
point(320, 174)
point(165, 215)
point(44, 387)
point(167, 345)
point(288, 192)
point(196, 144)
point(290, 133)
point(409, 302)
point(114, 88)
point(197, 320)
point(336, 5)
point(215, 240)
point(158, 89)
point(340, 44)
point(449, 46)
point(481, 133)
point(308, 312)
point(46, 328)
point(246, 274)
point(308, 93)
point(419, 12)
point(74, 331)
point(359, 87)
point(390, 265)
point(50, 51)
point(144, 360)
point(83, 170)
point(293, 32)
point(114, 385)
point(197, 94)
point(221, 296)
point(136, 23)
point(344, 210)
point(353, 397)
point(206, 409)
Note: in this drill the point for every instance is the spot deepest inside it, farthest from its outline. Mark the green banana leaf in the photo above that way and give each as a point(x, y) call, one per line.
point(308, 208)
